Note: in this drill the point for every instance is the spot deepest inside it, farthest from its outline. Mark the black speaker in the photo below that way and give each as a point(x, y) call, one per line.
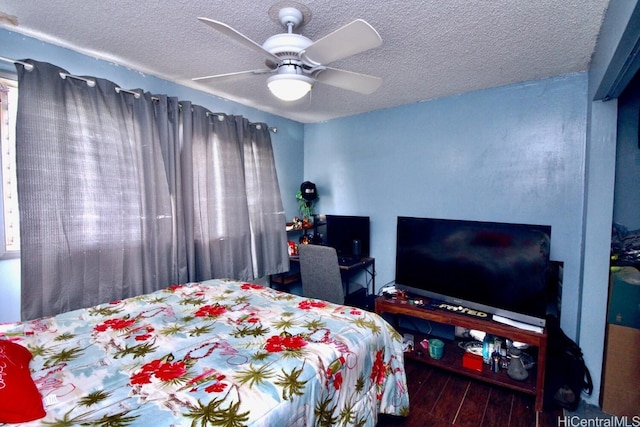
point(356, 249)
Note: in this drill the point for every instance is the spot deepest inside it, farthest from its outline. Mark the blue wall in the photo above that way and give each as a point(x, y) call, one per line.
point(511, 154)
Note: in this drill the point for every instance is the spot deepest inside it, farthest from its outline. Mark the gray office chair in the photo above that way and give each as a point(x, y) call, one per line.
point(320, 273)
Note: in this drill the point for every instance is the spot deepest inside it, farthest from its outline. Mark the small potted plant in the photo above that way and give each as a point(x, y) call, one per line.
point(307, 196)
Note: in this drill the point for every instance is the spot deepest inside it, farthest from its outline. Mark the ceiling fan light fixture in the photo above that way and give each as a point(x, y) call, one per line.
point(289, 87)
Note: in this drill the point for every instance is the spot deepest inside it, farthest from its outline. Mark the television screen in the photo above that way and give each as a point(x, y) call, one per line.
point(342, 230)
point(498, 268)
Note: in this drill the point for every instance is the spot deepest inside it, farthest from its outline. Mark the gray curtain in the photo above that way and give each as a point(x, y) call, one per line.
point(168, 116)
point(121, 195)
point(222, 233)
point(266, 213)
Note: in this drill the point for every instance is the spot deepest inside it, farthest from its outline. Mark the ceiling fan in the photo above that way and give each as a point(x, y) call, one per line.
point(297, 62)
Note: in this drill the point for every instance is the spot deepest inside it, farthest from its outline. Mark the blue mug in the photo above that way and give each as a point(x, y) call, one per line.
point(436, 348)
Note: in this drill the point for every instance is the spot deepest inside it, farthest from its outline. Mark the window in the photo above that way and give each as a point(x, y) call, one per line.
point(10, 230)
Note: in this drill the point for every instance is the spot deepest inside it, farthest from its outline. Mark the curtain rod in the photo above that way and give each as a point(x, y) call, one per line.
point(29, 67)
point(92, 83)
point(222, 116)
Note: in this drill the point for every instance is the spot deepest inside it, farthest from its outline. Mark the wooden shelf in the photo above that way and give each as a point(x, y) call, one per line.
point(305, 227)
point(452, 356)
point(452, 361)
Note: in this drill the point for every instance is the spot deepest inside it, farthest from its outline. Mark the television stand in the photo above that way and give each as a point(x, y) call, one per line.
point(521, 325)
point(452, 358)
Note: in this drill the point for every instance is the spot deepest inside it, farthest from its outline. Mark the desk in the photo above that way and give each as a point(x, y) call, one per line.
point(363, 265)
point(366, 265)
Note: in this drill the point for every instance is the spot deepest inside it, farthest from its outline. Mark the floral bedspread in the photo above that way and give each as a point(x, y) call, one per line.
point(215, 353)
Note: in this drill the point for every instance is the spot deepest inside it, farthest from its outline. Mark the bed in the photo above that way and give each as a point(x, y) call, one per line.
point(219, 352)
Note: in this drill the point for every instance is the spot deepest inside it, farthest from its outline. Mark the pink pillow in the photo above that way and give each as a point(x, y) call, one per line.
point(20, 400)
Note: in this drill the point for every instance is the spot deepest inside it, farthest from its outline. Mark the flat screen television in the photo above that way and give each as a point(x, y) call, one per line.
point(497, 268)
point(342, 230)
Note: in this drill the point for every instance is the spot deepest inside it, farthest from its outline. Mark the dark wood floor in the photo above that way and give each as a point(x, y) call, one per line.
point(440, 399)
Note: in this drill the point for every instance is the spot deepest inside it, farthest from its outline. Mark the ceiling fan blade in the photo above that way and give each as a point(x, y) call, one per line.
point(233, 76)
point(240, 38)
point(356, 82)
point(353, 38)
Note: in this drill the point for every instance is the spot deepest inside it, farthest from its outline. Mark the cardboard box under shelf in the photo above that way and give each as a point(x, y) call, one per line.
point(620, 393)
point(624, 297)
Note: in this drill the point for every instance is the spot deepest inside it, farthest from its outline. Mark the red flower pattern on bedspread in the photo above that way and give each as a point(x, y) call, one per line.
point(115, 324)
point(216, 387)
point(311, 304)
point(378, 369)
point(210, 311)
point(207, 376)
point(164, 371)
point(334, 374)
point(277, 343)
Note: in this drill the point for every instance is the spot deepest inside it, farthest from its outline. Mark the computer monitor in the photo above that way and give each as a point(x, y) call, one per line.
point(343, 230)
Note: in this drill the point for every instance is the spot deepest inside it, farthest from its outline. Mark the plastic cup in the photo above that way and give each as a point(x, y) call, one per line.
point(436, 348)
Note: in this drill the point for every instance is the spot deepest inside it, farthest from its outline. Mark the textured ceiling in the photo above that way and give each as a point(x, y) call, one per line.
point(430, 49)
